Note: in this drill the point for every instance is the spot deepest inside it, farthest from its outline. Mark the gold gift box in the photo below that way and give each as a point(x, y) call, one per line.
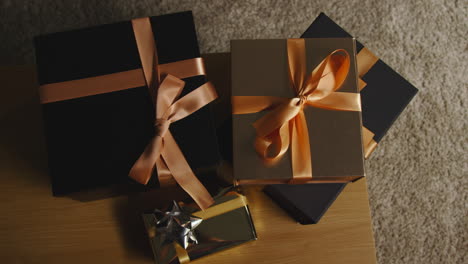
point(225, 224)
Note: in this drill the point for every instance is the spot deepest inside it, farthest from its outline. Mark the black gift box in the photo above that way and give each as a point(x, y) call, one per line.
point(95, 140)
point(317, 198)
point(383, 99)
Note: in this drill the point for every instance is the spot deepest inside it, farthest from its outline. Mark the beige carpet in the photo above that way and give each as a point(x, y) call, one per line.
point(418, 175)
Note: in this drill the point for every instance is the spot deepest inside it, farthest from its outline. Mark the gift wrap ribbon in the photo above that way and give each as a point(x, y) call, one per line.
point(365, 61)
point(208, 213)
point(285, 125)
point(165, 85)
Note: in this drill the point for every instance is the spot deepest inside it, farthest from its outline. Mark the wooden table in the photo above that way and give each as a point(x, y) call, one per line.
point(38, 228)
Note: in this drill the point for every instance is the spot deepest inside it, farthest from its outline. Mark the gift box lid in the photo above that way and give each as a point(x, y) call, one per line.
point(93, 141)
point(260, 70)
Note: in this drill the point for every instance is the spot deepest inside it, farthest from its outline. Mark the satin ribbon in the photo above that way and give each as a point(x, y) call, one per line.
point(285, 125)
point(368, 142)
point(365, 60)
point(162, 152)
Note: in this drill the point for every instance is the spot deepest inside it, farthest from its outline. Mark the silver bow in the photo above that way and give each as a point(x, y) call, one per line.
point(177, 225)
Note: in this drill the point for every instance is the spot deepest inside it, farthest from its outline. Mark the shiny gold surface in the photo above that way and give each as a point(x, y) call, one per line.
point(226, 224)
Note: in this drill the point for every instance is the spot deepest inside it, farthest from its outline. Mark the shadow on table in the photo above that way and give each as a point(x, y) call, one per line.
point(21, 131)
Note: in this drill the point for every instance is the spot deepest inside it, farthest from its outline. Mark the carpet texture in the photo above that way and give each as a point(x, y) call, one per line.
point(418, 175)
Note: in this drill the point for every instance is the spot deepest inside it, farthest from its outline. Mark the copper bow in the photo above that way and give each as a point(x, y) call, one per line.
point(162, 151)
point(285, 125)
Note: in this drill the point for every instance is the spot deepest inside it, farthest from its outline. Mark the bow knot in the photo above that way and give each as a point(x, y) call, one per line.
point(161, 126)
point(302, 100)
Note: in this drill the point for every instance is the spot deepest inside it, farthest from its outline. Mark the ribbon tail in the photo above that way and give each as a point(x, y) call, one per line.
point(164, 174)
point(144, 166)
point(183, 174)
point(278, 139)
point(277, 117)
point(300, 150)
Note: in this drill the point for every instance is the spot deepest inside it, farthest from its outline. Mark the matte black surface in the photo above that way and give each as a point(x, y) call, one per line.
point(94, 141)
point(305, 203)
point(383, 100)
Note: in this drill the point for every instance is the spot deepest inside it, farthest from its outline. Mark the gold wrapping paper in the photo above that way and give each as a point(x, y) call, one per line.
point(225, 224)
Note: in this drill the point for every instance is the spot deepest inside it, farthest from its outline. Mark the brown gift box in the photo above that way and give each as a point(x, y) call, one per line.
point(260, 68)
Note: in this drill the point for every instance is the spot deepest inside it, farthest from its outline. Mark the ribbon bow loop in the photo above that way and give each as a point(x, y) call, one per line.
point(325, 79)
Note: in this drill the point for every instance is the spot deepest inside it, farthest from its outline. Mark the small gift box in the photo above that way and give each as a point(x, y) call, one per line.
point(184, 233)
point(296, 111)
point(384, 95)
point(127, 99)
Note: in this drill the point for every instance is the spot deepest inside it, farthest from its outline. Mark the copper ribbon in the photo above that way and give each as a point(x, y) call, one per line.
point(54, 92)
point(163, 152)
point(365, 60)
point(285, 125)
point(368, 142)
point(165, 85)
